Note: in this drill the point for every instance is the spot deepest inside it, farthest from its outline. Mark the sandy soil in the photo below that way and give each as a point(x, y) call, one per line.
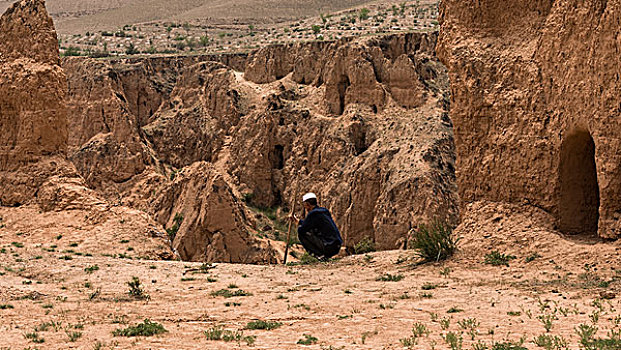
point(341, 303)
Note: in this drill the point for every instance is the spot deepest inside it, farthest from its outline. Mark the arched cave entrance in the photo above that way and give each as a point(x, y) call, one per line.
point(579, 190)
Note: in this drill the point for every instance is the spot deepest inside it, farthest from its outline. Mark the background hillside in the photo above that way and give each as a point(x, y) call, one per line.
point(72, 16)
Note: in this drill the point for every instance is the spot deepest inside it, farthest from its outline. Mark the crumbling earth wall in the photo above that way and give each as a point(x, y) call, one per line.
point(535, 100)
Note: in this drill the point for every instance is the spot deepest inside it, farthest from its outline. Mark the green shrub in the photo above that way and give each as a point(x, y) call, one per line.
point(219, 333)
point(91, 269)
point(366, 245)
point(308, 340)
point(390, 278)
point(144, 329)
point(172, 231)
point(229, 294)
point(496, 258)
point(434, 242)
point(259, 324)
point(136, 290)
point(34, 337)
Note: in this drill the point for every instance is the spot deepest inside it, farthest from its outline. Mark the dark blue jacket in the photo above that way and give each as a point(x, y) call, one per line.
point(319, 222)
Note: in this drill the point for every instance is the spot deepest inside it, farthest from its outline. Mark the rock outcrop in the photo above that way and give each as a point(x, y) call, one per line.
point(361, 122)
point(206, 221)
point(33, 119)
point(35, 174)
point(536, 104)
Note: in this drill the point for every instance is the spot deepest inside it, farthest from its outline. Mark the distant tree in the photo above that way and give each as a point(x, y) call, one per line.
point(364, 14)
point(131, 49)
point(204, 40)
point(72, 51)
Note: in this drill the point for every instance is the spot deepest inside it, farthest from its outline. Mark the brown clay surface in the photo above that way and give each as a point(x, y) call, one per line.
point(535, 103)
point(347, 307)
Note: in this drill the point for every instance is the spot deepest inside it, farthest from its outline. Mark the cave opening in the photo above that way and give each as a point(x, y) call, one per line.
point(342, 90)
point(278, 159)
point(579, 190)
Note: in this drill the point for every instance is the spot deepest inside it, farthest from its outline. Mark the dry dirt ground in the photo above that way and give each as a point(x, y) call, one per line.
point(72, 292)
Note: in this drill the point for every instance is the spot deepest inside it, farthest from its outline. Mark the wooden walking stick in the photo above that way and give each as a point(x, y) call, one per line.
point(293, 202)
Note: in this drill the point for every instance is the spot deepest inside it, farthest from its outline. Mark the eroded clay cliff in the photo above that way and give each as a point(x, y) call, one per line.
point(536, 102)
point(206, 144)
point(35, 175)
point(361, 122)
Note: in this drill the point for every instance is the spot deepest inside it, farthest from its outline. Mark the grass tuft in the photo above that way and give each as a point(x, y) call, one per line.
point(434, 242)
point(267, 325)
point(496, 258)
point(144, 329)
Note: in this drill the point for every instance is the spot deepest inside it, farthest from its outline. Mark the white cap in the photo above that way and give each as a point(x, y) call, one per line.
point(308, 196)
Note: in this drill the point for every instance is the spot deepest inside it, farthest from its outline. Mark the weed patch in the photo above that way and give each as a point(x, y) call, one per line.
point(144, 329)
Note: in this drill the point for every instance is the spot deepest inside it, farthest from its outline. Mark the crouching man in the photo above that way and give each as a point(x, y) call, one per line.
point(317, 231)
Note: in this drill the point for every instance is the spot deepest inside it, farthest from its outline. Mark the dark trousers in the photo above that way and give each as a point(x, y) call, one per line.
point(315, 246)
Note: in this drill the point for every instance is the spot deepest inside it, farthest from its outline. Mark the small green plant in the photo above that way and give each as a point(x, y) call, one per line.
point(172, 231)
point(507, 345)
point(219, 333)
point(550, 342)
point(364, 246)
point(389, 278)
point(418, 330)
point(428, 286)
point(144, 329)
point(514, 313)
point(434, 242)
point(586, 334)
point(17, 244)
point(6, 306)
point(547, 321)
point(307, 340)
point(364, 14)
point(91, 269)
point(229, 294)
point(445, 323)
point(73, 336)
point(496, 258)
point(454, 340)
point(34, 337)
point(469, 325)
point(446, 272)
point(136, 290)
point(532, 257)
point(267, 325)
point(454, 310)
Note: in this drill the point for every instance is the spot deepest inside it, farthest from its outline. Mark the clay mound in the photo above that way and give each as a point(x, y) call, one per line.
point(206, 221)
point(536, 107)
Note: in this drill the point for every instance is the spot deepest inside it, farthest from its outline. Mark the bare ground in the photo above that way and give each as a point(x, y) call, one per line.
point(341, 303)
